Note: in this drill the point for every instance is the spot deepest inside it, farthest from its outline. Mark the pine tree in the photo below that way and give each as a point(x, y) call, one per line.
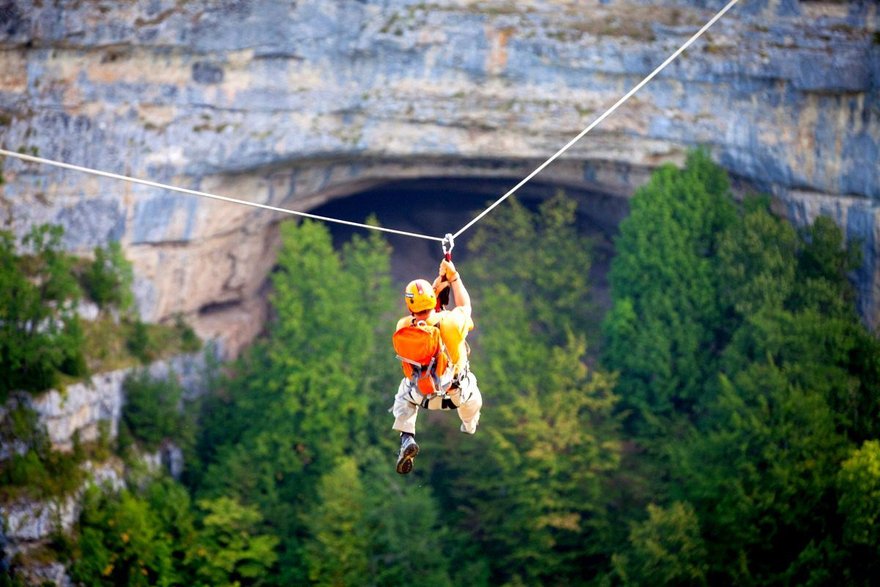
point(532, 485)
point(661, 331)
point(665, 549)
point(304, 396)
point(858, 485)
point(337, 552)
point(229, 548)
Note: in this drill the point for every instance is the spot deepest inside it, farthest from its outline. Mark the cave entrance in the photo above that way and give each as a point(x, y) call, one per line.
point(435, 206)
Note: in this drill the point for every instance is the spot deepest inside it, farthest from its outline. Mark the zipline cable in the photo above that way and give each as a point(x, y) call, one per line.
point(513, 190)
point(209, 195)
point(605, 115)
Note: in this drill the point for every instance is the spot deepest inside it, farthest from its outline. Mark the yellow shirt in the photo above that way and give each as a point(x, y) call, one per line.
point(454, 326)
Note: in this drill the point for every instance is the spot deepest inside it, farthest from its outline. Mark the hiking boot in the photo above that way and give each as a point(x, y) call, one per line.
point(408, 451)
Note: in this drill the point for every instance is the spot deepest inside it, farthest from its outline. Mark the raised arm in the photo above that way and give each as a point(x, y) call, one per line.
point(462, 298)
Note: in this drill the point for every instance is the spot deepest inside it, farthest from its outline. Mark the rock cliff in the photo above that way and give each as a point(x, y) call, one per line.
point(82, 412)
point(299, 102)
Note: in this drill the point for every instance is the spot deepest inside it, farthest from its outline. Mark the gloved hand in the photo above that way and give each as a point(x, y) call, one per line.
point(447, 269)
point(439, 284)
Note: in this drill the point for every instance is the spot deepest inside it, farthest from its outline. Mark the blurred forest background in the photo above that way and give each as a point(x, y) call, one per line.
point(718, 425)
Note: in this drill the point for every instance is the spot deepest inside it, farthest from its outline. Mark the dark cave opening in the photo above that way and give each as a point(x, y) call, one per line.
point(436, 206)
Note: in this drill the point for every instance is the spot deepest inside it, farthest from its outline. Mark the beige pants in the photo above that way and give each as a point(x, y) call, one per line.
point(408, 401)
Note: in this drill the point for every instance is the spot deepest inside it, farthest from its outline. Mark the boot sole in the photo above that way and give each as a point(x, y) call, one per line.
point(405, 462)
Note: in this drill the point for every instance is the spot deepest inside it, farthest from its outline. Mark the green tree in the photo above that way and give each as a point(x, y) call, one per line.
point(543, 257)
point(230, 549)
point(858, 486)
point(406, 530)
point(121, 542)
point(541, 488)
point(793, 303)
point(109, 277)
point(38, 471)
point(760, 474)
point(532, 485)
point(303, 397)
point(739, 348)
point(756, 261)
point(665, 549)
point(153, 410)
point(825, 263)
point(761, 469)
point(40, 334)
point(661, 333)
point(337, 552)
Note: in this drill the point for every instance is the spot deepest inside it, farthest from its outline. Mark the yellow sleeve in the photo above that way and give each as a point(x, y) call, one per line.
point(454, 328)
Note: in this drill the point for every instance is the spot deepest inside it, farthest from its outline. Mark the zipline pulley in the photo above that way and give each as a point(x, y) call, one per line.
point(443, 297)
point(447, 244)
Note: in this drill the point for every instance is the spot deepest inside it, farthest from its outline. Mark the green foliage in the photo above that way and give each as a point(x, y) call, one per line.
point(801, 315)
point(155, 537)
point(534, 487)
point(756, 261)
point(141, 342)
point(189, 340)
point(826, 260)
point(761, 472)
point(40, 335)
point(153, 410)
point(36, 471)
point(405, 529)
point(134, 537)
point(121, 542)
point(301, 399)
point(665, 549)
point(337, 553)
point(859, 487)
point(108, 279)
point(229, 549)
point(662, 331)
point(543, 257)
point(40, 473)
point(739, 446)
point(784, 380)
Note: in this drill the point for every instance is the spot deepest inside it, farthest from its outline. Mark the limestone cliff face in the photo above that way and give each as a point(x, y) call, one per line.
point(85, 412)
point(295, 103)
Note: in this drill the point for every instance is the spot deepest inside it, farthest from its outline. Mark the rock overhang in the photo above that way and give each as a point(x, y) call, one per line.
point(302, 104)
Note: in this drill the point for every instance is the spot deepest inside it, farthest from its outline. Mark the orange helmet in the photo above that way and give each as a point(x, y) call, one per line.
point(419, 296)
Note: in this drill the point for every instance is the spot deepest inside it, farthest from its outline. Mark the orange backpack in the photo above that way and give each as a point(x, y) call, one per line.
point(423, 355)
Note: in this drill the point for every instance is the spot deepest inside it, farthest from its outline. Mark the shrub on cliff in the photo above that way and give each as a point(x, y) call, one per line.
point(152, 412)
point(36, 470)
point(108, 278)
point(40, 334)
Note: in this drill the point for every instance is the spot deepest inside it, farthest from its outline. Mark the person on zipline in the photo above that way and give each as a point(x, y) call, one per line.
point(430, 342)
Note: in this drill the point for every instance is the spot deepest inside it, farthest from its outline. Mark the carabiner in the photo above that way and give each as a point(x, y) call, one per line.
point(448, 243)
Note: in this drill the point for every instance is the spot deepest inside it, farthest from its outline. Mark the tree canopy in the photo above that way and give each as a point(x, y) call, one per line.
point(724, 431)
